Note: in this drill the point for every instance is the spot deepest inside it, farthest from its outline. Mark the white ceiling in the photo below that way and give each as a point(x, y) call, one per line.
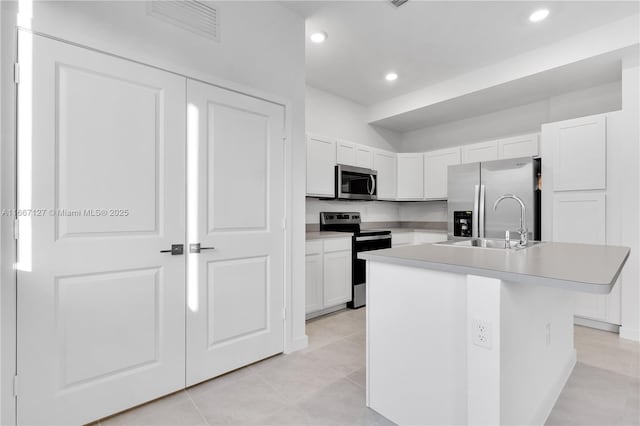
point(579, 75)
point(426, 42)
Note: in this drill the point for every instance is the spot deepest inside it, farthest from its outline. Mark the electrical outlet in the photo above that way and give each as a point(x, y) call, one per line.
point(481, 333)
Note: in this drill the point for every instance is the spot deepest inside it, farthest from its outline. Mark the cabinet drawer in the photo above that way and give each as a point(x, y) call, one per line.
point(337, 244)
point(313, 247)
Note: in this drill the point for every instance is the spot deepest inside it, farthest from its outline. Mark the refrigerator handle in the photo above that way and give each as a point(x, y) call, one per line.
point(481, 232)
point(474, 217)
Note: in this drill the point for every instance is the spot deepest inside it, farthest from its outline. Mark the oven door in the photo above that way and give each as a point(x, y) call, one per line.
point(364, 243)
point(356, 183)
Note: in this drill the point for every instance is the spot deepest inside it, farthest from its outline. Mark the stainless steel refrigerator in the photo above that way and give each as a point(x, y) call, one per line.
point(473, 188)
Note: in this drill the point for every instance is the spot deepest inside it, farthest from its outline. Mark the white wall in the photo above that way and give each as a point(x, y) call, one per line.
point(630, 209)
point(261, 47)
point(513, 121)
point(334, 116)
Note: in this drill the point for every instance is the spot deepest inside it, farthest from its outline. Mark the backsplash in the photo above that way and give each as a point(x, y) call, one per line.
point(370, 211)
point(425, 211)
point(380, 211)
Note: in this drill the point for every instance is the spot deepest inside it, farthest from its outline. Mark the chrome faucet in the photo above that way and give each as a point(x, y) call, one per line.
point(524, 233)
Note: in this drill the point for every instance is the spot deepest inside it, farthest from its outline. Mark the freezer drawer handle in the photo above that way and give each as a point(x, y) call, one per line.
point(176, 250)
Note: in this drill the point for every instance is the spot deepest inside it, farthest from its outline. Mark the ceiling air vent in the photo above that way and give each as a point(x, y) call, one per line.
point(191, 15)
point(398, 3)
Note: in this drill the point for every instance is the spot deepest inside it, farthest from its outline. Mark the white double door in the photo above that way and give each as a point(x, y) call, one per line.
point(124, 161)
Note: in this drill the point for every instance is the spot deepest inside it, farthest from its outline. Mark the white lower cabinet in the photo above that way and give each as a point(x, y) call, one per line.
point(313, 276)
point(337, 278)
point(328, 273)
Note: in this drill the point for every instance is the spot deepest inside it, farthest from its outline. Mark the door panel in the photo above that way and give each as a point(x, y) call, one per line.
point(238, 171)
point(100, 309)
point(235, 207)
point(121, 112)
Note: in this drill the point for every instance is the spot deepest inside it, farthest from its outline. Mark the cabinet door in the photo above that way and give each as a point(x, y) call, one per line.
point(580, 218)
point(385, 163)
point(410, 177)
point(436, 164)
point(346, 153)
point(579, 153)
point(337, 278)
point(321, 161)
point(364, 157)
point(313, 282)
point(519, 146)
point(484, 151)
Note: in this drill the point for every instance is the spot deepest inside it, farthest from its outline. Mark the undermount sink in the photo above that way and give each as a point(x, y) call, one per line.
point(489, 244)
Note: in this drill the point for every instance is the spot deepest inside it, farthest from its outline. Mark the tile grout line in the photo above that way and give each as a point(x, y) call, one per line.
point(206, 422)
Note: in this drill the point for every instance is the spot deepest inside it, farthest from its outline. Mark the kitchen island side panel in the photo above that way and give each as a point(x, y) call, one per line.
point(416, 334)
point(426, 365)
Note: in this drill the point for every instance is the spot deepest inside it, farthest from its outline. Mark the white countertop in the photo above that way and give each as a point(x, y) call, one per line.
point(579, 267)
point(321, 235)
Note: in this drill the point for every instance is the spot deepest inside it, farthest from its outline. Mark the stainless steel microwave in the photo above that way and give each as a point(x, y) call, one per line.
point(356, 183)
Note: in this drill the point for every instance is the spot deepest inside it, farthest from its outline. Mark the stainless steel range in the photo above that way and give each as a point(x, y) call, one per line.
point(366, 240)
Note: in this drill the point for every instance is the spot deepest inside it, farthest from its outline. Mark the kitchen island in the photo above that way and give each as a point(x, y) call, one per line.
point(469, 335)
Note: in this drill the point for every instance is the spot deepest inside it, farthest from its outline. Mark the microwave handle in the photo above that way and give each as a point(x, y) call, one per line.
point(373, 185)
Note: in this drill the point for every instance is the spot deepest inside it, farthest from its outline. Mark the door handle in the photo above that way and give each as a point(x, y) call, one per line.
point(176, 250)
point(373, 185)
point(196, 248)
point(475, 231)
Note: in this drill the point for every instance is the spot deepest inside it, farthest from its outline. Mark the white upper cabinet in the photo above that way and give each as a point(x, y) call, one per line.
point(579, 153)
point(483, 151)
point(410, 176)
point(364, 156)
point(385, 163)
point(436, 164)
point(519, 146)
point(346, 152)
point(321, 161)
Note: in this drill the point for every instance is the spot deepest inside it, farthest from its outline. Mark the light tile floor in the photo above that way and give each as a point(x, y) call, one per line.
point(324, 385)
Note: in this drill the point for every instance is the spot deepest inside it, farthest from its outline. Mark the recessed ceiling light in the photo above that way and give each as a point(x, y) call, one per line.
point(539, 15)
point(318, 37)
point(391, 76)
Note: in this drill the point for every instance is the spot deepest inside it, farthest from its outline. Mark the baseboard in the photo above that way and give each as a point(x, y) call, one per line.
point(630, 333)
point(326, 311)
point(600, 325)
point(547, 404)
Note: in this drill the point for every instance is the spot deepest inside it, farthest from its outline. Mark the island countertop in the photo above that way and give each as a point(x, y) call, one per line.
point(578, 267)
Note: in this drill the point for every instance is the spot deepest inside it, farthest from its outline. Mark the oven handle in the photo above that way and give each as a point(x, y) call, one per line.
point(373, 185)
point(373, 237)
